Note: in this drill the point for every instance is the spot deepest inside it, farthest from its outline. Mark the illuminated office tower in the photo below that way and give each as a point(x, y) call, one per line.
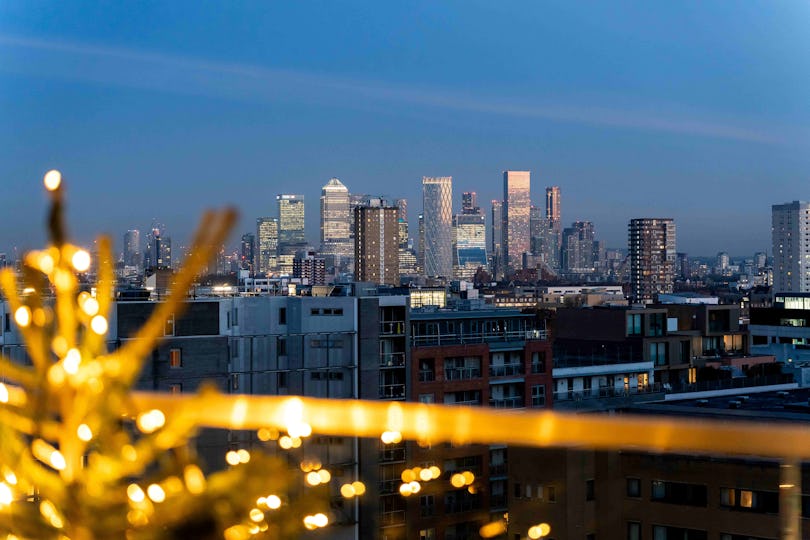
point(437, 207)
point(552, 243)
point(652, 257)
point(516, 212)
point(266, 244)
point(336, 241)
point(158, 252)
point(290, 230)
point(791, 254)
point(376, 244)
point(132, 248)
point(469, 238)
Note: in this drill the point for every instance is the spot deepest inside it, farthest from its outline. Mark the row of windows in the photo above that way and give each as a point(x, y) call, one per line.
point(666, 532)
point(696, 495)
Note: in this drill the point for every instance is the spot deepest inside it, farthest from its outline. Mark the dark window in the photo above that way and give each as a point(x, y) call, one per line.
point(679, 493)
point(590, 536)
point(633, 530)
point(634, 487)
point(661, 532)
point(551, 494)
point(518, 490)
point(282, 316)
point(281, 379)
point(281, 346)
point(168, 326)
point(634, 324)
point(8, 322)
point(589, 490)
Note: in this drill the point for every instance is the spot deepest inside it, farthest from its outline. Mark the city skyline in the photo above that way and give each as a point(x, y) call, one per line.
point(236, 121)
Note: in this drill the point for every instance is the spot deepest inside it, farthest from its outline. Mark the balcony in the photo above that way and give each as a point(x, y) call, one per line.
point(392, 391)
point(515, 402)
point(479, 337)
point(392, 328)
point(506, 370)
point(462, 374)
point(392, 359)
point(427, 375)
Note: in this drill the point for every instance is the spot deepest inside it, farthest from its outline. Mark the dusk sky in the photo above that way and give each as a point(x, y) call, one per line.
point(698, 111)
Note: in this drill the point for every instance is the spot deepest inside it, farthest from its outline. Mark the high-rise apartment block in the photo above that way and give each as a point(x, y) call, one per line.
point(791, 247)
point(266, 244)
point(652, 257)
point(552, 238)
point(437, 205)
point(516, 212)
point(376, 244)
point(336, 242)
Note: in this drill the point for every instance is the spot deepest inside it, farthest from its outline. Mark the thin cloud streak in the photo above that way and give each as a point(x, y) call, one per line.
point(244, 82)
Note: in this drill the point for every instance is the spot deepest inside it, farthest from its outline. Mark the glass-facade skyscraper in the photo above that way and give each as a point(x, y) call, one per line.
point(437, 205)
point(336, 220)
point(516, 212)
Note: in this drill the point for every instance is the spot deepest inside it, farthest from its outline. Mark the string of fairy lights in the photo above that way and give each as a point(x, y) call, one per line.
point(82, 458)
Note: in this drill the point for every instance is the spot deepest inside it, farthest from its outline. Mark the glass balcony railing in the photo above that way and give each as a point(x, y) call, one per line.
point(505, 370)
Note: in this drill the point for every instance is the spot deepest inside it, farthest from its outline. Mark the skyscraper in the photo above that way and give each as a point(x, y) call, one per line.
point(290, 230)
point(577, 254)
point(469, 238)
point(266, 244)
point(132, 248)
point(290, 219)
point(376, 244)
point(553, 243)
point(247, 252)
point(496, 239)
point(336, 241)
point(158, 252)
point(516, 211)
point(791, 254)
point(437, 205)
point(652, 257)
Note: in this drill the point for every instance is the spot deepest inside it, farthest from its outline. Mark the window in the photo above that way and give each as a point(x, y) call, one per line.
point(551, 494)
point(175, 358)
point(234, 381)
point(176, 388)
point(282, 316)
point(426, 398)
point(748, 500)
point(281, 346)
point(538, 362)
point(658, 353)
point(538, 395)
point(661, 532)
point(518, 490)
point(427, 534)
point(281, 379)
point(634, 487)
point(426, 505)
point(168, 326)
point(633, 530)
point(634, 324)
point(589, 490)
point(679, 493)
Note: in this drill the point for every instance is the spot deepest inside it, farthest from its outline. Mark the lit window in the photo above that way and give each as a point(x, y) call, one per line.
point(175, 358)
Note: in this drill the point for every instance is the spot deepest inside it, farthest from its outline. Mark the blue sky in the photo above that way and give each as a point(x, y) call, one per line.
point(697, 111)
